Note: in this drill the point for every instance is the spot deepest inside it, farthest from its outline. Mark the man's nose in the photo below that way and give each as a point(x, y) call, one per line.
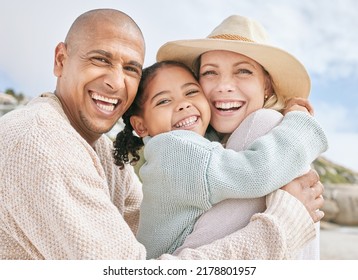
point(115, 79)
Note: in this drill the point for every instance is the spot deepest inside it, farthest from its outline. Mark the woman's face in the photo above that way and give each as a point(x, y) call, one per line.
point(235, 86)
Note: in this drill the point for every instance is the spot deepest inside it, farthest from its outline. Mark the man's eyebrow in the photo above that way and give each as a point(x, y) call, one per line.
point(101, 52)
point(136, 63)
point(109, 55)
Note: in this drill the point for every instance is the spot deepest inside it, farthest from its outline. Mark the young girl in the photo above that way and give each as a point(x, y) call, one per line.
point(185, 174)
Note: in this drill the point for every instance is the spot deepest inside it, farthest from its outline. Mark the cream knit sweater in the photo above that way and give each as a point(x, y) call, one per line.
point(62, 199)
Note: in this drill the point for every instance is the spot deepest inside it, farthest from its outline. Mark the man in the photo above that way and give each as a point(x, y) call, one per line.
point(61, 195)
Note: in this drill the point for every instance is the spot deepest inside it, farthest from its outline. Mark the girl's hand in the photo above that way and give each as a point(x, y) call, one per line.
point(308, 189)
point(298, 104)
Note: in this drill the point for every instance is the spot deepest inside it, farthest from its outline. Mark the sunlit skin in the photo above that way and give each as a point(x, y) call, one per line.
point(174, 101)
point(98, 73)
point(235, 86)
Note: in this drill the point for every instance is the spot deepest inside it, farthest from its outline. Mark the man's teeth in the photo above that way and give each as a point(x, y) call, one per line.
point(106, 107)
point(228, 105)
point(186, 122)
point(110, 102)
point(96, 96)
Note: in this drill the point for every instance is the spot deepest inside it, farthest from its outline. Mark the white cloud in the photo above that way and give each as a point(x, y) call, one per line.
point(322, 34)
point(339, 125)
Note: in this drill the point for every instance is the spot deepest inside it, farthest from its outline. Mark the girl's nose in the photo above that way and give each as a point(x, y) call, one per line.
point(183, 106)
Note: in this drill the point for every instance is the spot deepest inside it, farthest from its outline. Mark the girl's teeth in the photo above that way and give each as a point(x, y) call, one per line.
point(186, 122)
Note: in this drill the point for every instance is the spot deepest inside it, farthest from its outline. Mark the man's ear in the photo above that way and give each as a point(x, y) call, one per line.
point(139, 126)
point(60, 56)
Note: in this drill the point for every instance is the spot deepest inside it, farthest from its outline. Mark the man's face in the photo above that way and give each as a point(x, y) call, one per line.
point(98, 76)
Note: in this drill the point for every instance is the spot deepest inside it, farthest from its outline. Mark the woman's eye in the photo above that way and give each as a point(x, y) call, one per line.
point(192, 92)
point(244, 71)
point(208, 72)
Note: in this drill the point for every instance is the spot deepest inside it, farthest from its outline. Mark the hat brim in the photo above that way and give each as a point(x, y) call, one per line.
point(288, 74)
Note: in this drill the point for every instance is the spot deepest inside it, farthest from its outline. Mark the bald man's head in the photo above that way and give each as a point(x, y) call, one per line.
point(100, 61)
point(87, 24)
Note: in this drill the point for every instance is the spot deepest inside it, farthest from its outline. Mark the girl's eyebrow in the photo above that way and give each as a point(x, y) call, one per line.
point(167, 91)
point(158, 94)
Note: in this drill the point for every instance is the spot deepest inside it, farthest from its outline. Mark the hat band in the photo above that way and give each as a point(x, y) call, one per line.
point(230, 37)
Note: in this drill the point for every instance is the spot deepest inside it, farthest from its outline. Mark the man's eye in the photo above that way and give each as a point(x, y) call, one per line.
point(101, 60)
point(134, 70)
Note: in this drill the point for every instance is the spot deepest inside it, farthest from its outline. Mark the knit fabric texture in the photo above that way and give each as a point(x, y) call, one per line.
point(62, 199)
point(186, 174)
point(231, 215)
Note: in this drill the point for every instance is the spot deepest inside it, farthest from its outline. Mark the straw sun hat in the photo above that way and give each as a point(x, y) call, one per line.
point(245, 36)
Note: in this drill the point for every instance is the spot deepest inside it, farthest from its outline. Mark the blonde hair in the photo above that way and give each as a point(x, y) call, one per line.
point(274, 102)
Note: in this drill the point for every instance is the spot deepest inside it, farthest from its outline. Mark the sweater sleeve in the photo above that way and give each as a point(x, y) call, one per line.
point(270, 162)
point(284, 227)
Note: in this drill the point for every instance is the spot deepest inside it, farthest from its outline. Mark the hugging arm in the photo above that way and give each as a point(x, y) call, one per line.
point(270, 162)
point(277, 233)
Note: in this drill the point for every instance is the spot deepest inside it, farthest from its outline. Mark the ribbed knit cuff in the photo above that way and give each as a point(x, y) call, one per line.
point(293, 218)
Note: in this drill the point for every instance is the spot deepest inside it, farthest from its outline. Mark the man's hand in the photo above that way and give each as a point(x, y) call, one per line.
point(308, 189)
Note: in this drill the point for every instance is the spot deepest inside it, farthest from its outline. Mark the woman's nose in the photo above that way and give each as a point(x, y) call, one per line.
point(225, 85)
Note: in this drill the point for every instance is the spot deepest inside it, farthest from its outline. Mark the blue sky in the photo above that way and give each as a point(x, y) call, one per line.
point(322, 34)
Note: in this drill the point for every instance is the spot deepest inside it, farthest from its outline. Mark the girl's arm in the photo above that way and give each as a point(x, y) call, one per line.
point(270, 162)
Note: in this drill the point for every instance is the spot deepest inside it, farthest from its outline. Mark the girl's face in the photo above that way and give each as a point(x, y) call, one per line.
point(235, 86)
point(174, 100)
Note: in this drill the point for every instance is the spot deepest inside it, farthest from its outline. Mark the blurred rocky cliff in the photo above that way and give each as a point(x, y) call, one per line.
point(341, 192)
point(331, 173)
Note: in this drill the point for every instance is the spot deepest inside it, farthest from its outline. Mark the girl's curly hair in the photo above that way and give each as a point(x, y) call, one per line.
point(127, 144)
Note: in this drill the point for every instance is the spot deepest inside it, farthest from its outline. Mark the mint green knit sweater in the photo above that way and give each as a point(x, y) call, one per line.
point(186, 174)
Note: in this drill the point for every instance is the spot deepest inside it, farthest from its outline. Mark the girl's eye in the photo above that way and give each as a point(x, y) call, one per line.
point(162, 102)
